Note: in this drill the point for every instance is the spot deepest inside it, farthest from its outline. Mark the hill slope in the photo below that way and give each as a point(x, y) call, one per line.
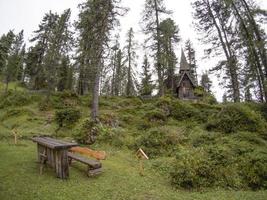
point(191, 146)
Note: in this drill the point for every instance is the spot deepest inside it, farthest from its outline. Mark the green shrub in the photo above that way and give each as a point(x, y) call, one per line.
point(113, 136)
point(205, 111)
point(160, 141)
point(204, 96)
point(15, 112)
point(45, 105)
point(155, 116)
point(163, 165)
point(15, 98)
point(253, 169)
point(164, 103)
point(200, 168)
point(65, 99)
point(192, 169)
point(185, 111)
point(200, 138)
point(237, 117)
point(67, 117)
point(109, 119)
point(87, 132)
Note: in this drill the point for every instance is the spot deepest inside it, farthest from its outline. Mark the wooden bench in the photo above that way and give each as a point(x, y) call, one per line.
point(94, 167)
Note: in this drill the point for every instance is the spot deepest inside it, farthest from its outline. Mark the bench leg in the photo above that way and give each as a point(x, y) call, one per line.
point(88, 171)
point(42, 164)
point(70, 160)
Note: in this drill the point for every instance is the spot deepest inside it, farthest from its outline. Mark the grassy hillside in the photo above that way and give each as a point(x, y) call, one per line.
point(196, 150)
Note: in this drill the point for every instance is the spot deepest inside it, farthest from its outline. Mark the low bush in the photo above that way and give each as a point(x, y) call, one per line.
point(164, 103)
point(185, 111)
point(113, 136)
point(86, 132)
point(237, 117)
point(204, 96)
point(45, 105)
point(15, 112)
point(253, 169)
point(109, 119)
point(155, 116)
point(199, 168)
point(193, 169)
point(67, 117)
point(14, 98)
point(232, 164)
point(65, 99)
point(160, 141)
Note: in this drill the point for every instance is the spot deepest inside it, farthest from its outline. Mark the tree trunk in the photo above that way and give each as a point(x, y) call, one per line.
point(158, 64)
point(6, 89)
point(95, 102)
point(252, 48)
point(128, 87)
point(261, 42)
point(229, 56)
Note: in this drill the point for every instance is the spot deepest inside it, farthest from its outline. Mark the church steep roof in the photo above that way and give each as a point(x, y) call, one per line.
point(185, 70)
point(184, 66)
point(181, 76)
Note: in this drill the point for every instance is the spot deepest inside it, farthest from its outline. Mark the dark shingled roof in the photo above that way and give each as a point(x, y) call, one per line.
point(185, 70)
point(181, 76)
point(184, 66)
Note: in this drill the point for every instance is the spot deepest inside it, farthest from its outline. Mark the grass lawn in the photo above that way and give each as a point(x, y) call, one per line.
point(19, 179)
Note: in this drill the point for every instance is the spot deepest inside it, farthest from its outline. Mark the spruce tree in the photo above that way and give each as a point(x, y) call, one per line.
point(96, 19)
point(153, 11)
point(169, 38)
point(191, 58)
point(213, 19)
point(205, 82)
point(147, 86)
point(130, 49)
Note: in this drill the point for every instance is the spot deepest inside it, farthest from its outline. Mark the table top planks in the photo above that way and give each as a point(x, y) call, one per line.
point(53, 143)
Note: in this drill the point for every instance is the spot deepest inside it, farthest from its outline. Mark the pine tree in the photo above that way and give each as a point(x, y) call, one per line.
point(191, 58)
point(252, 44)
point(6, 42)
point(151, 19)
point(214, 21)
point(147, 86)
point(130, 49)
point(248, 95)
point(59, 44)
point(96, 19)
point(205, 82)
point(120, 74)
point(38, 53)
point(169, 37)
point(114, 66)
point(14, 57)
point(64, 74)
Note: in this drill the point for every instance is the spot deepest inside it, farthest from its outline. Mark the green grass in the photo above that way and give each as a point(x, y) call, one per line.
point(19, 179)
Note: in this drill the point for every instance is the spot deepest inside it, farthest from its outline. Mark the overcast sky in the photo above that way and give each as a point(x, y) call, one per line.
point(27, 14)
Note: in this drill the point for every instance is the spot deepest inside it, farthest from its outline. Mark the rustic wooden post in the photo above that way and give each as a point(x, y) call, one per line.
point(61, 163)
point(140, 154)
point(15, 136)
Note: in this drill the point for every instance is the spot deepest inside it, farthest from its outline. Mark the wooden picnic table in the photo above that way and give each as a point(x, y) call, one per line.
point(54, 153)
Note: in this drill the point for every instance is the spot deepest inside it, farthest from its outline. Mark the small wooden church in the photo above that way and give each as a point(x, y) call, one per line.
point(186, 81)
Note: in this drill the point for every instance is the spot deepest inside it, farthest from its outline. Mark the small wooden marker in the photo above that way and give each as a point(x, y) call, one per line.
point(141, 155)
point(15, 136)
